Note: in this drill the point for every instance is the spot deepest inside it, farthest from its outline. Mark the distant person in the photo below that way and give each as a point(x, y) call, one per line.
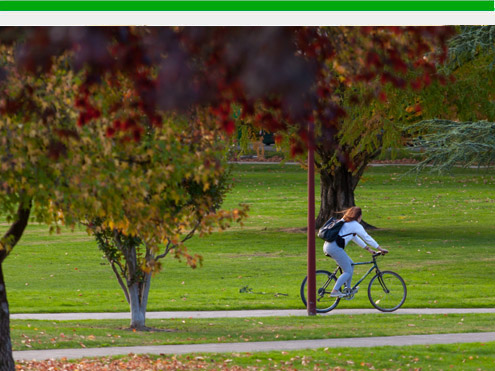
point(351, 230)
point(258, 145)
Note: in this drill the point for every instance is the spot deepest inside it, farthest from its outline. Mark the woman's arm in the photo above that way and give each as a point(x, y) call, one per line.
point(368, 240)
point(365, 236)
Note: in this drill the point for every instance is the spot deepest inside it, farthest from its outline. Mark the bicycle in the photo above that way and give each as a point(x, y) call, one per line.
point(386, 291)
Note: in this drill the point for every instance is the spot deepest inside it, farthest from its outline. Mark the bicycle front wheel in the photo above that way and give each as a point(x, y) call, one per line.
point(325, 282)
point(387, 291)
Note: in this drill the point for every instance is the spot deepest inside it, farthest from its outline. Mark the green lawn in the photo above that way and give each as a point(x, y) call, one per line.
point(465, 357)
point(29, 334)
point(439, 231)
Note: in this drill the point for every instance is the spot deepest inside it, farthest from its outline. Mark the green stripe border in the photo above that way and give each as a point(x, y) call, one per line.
point(247, 5)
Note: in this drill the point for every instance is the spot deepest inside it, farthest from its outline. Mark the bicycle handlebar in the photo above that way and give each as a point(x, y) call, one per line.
point(378, 254)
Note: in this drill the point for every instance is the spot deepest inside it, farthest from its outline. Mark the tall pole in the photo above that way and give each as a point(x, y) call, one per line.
point(311, 295)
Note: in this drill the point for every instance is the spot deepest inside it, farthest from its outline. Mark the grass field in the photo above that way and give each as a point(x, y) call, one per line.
point(477, 356)
point(439, 231)
point(29, 334)
point(465, 357)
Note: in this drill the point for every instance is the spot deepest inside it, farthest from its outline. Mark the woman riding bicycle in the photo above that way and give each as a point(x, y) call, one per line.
point(351, 230)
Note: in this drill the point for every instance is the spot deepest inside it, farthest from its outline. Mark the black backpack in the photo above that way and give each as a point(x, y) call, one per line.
point(330, 231)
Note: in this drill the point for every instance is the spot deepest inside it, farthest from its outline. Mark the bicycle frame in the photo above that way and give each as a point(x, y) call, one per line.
point(367, 273)
point(374, 267)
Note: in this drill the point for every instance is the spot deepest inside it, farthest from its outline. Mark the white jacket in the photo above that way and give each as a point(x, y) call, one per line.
point(362, 238)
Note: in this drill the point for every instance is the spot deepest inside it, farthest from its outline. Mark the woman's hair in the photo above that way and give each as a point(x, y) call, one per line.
point(352, 213)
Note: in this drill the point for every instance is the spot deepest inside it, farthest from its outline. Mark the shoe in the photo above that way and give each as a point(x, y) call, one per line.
point(337, 294)
point(354, 290)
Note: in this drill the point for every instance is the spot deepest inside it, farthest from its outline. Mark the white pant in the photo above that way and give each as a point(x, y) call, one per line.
point(343, 260)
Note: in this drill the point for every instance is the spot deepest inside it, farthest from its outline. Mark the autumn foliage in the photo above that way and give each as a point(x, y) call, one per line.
point(157, 182)
point(282, 76)
point(111, 122)
point(131, 362)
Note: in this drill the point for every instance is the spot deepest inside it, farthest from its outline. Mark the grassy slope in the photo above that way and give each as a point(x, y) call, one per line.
point(439, 231)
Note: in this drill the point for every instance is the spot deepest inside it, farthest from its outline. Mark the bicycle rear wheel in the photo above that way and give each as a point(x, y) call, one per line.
point(325, 282)
point(387, 291)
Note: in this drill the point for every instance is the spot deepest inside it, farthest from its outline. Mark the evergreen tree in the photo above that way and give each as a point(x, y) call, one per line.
point(463, 132)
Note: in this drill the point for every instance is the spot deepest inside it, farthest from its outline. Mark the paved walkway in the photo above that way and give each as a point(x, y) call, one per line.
point(252, 346)
point(239, 313)
point(258, 346)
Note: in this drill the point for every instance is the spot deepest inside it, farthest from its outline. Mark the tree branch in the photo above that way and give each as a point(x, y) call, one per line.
point(170, 246)
point(14, 234)
point(133, 160)
point(165, 253)
point(191, 233)
point(121, 282)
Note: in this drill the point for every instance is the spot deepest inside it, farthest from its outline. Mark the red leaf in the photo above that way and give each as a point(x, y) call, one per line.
point(110, 132)
point(426, 79)
point(229, 126)
point(416, 84)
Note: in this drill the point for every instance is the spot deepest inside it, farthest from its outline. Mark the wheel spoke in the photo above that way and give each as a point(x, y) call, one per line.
point(387, 291)
point(324, 285)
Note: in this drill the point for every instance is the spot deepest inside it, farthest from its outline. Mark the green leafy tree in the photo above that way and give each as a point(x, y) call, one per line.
point(134, 262)
point(377, 96)
point(451, 143)
point(134, 258)
point(462, 132)
point(368, 83)
point(149, 186)
point(31, 176)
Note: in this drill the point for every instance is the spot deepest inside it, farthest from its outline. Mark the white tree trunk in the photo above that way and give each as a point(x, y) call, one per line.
point(138, 295)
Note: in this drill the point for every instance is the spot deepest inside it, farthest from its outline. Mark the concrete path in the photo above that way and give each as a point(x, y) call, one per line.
point(253, 346)
point(239, 313)
point(258, 346)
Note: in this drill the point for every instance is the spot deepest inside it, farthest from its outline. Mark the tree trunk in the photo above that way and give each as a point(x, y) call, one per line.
point(138, 286)
point(337, 193)
point(138, 315)
point(138, 301)
point(135, 282)
point(7, 243)
point(6, 358)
